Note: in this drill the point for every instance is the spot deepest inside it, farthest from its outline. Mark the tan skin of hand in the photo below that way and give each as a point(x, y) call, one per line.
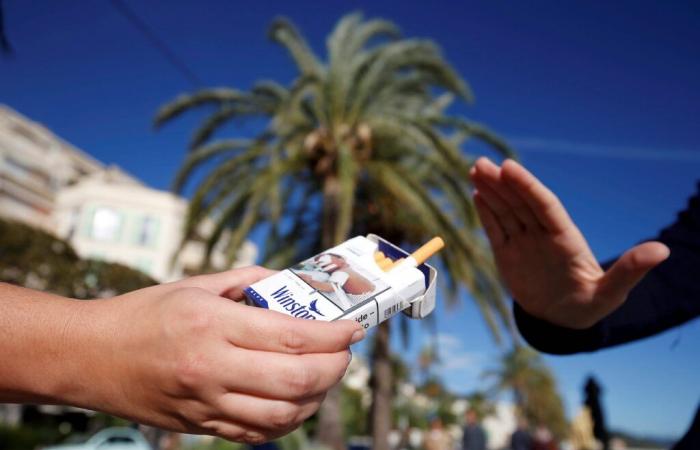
point(542, 256)
point(181, 356)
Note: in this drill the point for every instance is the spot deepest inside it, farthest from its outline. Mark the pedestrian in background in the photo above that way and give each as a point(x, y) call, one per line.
point(521, 438)
point(473, 436)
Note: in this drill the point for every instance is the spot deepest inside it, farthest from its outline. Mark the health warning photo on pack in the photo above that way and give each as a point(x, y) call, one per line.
point(339, 278)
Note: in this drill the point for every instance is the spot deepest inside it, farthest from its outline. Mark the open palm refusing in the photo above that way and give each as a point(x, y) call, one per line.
point(542, 256)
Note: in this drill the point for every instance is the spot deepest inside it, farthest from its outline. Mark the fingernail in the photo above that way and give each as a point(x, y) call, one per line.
point(349, 356)
point(357, 336)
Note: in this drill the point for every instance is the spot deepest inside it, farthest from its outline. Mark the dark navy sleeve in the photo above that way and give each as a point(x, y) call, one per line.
point(667, 296)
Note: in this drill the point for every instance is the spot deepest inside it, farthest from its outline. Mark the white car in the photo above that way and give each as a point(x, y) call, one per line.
point(110, 439)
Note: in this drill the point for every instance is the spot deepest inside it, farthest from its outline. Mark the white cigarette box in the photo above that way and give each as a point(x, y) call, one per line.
point(345, 282)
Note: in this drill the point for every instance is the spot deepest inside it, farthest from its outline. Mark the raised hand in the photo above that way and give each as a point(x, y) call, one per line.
point(542, 256)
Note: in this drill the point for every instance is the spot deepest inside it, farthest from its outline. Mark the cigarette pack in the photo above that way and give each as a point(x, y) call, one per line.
point(347, 282)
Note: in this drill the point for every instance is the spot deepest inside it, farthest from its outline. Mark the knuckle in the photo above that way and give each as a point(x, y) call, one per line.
point(190, 371)
point(253, 438)
point(194, 318)
point(183, 302)
point(223, 430)
point(213, 428)
point(285, 416)
point(302, 381)
point(291, 339)
point(190, 292)
point(199, 320)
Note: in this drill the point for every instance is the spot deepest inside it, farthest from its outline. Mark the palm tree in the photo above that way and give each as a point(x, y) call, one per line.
point(361, 141)
point(523, 371)
point(481, 404)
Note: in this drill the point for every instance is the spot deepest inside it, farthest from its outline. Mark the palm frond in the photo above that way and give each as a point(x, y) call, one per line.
point(220, 117)
point(285, 33)
point(381, 67)
point(270, 89)
point(202, 154)
point(185, 102)
point(478, 131)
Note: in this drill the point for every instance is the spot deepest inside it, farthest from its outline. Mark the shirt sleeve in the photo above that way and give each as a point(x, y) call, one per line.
point(667, 296)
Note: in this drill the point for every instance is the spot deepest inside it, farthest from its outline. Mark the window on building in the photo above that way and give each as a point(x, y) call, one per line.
point(145, 265)
point(106, 224)
point(147, 232)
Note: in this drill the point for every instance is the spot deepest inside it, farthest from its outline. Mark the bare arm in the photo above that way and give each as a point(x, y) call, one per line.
point(41, 361)
point(180, 356)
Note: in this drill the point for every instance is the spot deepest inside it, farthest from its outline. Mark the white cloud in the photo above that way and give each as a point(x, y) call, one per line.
point(461, 361)
point(453, 356)
point(534, 144)
point(447, 341)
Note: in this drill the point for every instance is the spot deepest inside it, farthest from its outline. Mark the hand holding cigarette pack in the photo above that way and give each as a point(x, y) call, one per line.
point(366, 279)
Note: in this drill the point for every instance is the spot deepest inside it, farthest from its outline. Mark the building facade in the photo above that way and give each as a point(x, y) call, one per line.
point(34, 165)
point(102, 211)
point(107, 216)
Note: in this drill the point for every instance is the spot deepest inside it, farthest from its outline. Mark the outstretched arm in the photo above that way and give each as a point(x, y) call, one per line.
point(181, 356)
point(566, 301)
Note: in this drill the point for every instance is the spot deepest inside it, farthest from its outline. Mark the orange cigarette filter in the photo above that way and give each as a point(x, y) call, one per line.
point(421, 255)
point(385, 263)
point(427, 250)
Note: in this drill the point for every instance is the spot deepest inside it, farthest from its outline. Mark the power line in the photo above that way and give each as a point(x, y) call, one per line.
point(156, 42)
point(5, 45)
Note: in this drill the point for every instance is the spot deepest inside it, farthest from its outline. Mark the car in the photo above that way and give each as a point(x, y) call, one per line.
point(116, 438)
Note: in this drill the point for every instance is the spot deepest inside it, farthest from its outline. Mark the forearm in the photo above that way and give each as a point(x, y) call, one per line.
point(667, 297)
point(43, 342)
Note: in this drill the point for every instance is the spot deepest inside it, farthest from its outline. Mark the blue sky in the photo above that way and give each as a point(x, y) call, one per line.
point(601, 100)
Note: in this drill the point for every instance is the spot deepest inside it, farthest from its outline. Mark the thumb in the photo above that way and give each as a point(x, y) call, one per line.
point(629, 269)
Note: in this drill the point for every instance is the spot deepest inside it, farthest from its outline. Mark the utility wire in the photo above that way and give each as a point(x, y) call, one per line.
point(156, 42)
point(5, 45)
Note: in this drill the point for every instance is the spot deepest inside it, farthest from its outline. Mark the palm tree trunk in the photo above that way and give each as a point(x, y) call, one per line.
point(381, 388)
point(330, 424)
point(519, 400)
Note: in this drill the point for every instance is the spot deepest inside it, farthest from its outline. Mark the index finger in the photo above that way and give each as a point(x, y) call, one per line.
point(231, 283)
point(544, 203)
point(261, 329)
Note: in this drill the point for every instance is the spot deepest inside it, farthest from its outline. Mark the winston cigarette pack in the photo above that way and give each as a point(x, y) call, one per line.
point(346, 282)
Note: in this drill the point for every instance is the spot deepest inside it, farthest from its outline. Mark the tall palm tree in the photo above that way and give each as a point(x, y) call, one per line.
point(361, 141)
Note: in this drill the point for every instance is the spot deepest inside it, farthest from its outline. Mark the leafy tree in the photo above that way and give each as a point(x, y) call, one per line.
point(481, 404)
point(360, 142)
point(524, 372)
point(36, 259)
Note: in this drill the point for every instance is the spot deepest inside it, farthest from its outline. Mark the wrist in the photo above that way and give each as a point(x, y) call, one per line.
point(81, 351)
point(64, 339)
point(35, 326)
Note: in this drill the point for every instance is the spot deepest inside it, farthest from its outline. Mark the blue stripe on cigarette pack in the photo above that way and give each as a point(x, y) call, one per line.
point(256, 297)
